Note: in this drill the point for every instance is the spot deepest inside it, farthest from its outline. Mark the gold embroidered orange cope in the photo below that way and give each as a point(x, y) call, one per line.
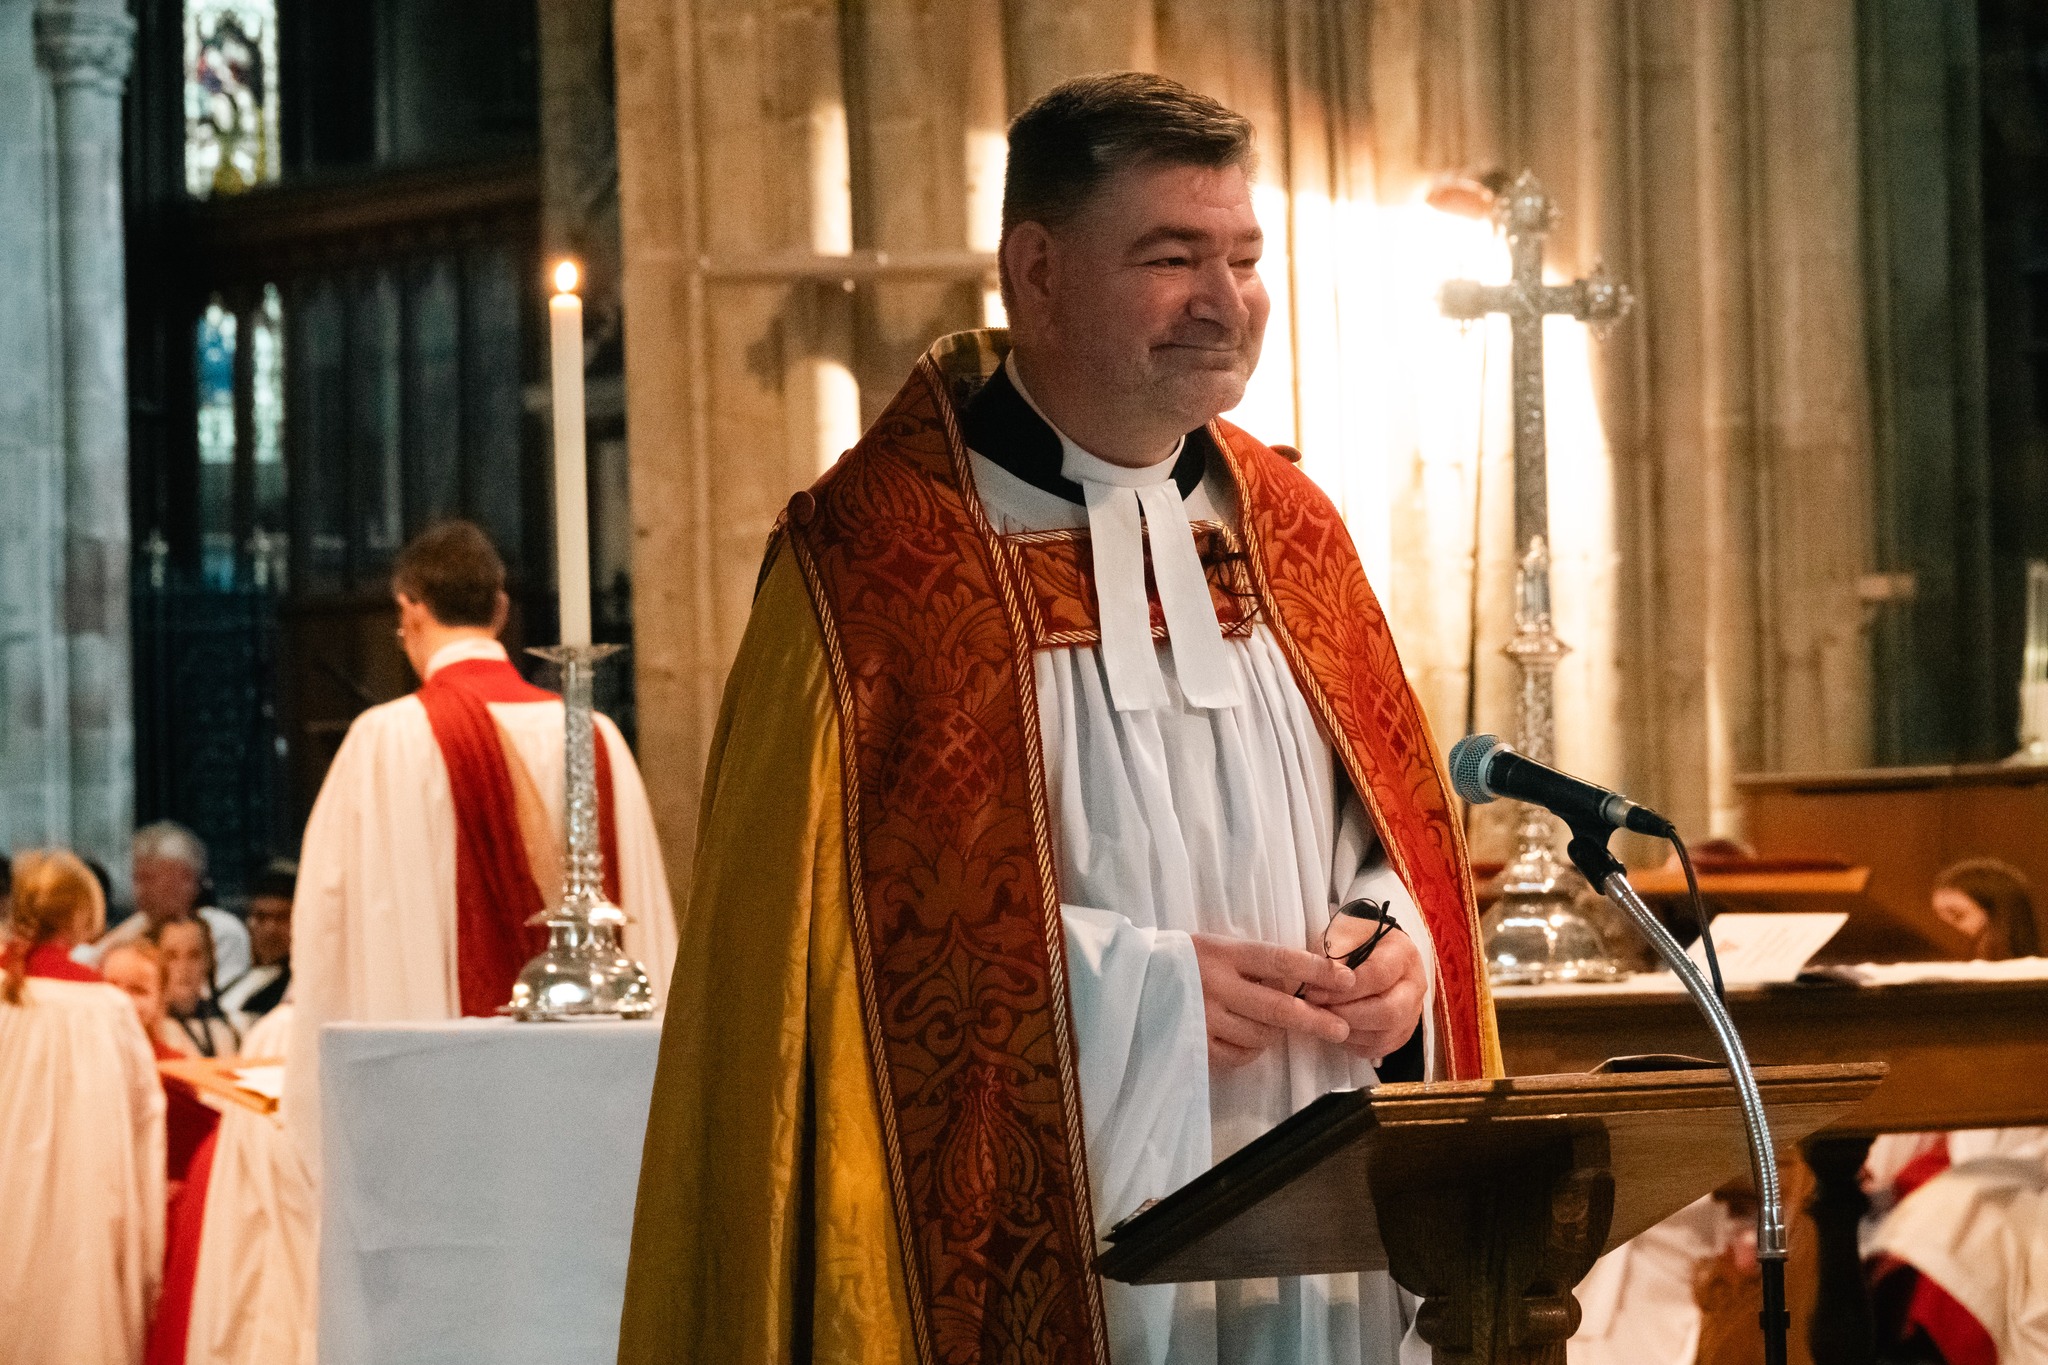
point(928, 620)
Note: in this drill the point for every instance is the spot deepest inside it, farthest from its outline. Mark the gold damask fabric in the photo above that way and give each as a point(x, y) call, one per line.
point(764, 1230)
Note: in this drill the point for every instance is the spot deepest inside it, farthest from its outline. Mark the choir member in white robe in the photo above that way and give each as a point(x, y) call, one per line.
point(81, 1136)
point(374, 924)
point(252, 1299)
point(1978, 1229)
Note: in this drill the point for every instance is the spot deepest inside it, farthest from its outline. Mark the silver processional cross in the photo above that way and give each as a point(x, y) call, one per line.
point(1534, 932)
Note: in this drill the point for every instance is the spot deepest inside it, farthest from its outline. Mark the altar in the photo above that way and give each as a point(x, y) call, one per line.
point(480, 1177)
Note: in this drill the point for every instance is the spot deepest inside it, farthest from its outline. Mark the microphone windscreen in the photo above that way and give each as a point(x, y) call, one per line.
point(1469, 760)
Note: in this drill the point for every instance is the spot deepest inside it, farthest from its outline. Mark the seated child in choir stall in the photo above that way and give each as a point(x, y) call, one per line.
point(137, 967)
point(199, 1026)
point(1989, 903)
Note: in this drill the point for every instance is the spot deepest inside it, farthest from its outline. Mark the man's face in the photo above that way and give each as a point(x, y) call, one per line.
point(1153, 289)
point(270, 929)
point(184, 950)
point(141, 979)
point(165, 888)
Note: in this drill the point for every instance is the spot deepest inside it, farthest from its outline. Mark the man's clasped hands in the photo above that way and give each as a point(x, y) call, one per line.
point(1248, 994)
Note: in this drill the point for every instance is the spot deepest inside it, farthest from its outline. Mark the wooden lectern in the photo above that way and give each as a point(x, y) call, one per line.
point(1488, 1199)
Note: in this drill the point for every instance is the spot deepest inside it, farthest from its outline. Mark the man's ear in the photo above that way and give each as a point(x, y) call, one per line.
point(501, 613)
point(1026, 258)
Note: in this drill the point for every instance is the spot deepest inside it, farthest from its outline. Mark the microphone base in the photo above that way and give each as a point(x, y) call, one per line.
point(1538, 930)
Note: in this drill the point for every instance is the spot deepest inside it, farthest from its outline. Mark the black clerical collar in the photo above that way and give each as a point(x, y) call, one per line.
point(999, 424)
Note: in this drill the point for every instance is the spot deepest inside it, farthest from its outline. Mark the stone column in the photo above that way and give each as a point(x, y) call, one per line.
point(85, 48)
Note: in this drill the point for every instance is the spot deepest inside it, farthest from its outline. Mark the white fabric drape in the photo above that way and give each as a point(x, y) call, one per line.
point(1175, 820)
point(81, 1177)
point(252, 1291)
point(373, 923)
point(1638, 1300)
point(1978, 1229)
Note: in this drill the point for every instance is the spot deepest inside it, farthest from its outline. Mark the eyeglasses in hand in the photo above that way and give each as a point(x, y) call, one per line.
point(1355, 929)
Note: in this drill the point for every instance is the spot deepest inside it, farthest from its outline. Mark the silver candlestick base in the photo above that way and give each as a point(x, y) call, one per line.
point(584, 973)
point(1538, 930)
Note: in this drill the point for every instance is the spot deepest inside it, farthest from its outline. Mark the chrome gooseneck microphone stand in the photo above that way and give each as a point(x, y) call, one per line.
point(1588, 852)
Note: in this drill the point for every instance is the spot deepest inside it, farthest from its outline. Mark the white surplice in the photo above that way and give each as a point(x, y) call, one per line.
point(252, 1298)
point(373, 920)
point(1178, 819)
point(81, 1177)
point(1980, 1230)
point(1637, 1301)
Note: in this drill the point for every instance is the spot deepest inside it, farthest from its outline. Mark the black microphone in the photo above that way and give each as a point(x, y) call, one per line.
point(1483, 768)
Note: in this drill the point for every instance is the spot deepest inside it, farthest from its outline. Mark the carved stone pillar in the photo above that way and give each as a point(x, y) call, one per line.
point(85, 49)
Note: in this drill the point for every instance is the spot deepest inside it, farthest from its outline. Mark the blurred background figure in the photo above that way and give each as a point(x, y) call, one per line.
point(199, 1026)
point(82, 1130)
point(1990, 903)
point(169, 866)
point(256, 992)
point(138, 969)
point(251, 1301)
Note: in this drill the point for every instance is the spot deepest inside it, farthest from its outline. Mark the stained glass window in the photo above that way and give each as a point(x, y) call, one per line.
point(217, 337)
point(269, 539)
point(231, 138)
point(260, 545)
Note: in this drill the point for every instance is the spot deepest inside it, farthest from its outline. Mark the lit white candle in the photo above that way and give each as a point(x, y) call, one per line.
point(572, 513)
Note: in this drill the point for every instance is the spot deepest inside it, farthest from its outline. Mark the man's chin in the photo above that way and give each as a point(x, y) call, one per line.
point(1197, 398)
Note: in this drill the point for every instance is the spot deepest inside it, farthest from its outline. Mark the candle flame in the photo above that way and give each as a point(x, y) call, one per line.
point(565, 277)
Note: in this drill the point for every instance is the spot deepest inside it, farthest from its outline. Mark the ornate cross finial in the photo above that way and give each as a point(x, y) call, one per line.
point(1534, 932)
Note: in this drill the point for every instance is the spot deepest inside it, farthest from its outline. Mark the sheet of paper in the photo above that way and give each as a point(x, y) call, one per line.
point(267, 1081)
point(1767, 948)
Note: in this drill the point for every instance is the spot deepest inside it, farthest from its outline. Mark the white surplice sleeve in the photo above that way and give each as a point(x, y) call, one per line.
point(1144, 1063)
point(1360, 868)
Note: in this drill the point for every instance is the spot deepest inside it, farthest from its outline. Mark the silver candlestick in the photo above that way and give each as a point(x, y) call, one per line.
point(585, 973)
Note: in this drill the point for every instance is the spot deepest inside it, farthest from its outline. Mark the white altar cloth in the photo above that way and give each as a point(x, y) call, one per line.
point(480, 1177)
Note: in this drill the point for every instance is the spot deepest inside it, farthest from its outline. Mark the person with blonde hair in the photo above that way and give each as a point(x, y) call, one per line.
point(81, 1249)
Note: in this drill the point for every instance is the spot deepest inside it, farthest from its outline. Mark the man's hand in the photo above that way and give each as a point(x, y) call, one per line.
point(1248, 994)
point(1383, 1003)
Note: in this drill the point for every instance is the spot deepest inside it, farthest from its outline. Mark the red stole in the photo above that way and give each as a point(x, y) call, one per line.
point(928, 623)
point(190, 1132)
point(184, 1223)
point(495, 893)
point(51, 960)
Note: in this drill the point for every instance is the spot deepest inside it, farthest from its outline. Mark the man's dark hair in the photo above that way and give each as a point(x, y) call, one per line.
point(1087, 129)
point(454, 570)
point(279, 877)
